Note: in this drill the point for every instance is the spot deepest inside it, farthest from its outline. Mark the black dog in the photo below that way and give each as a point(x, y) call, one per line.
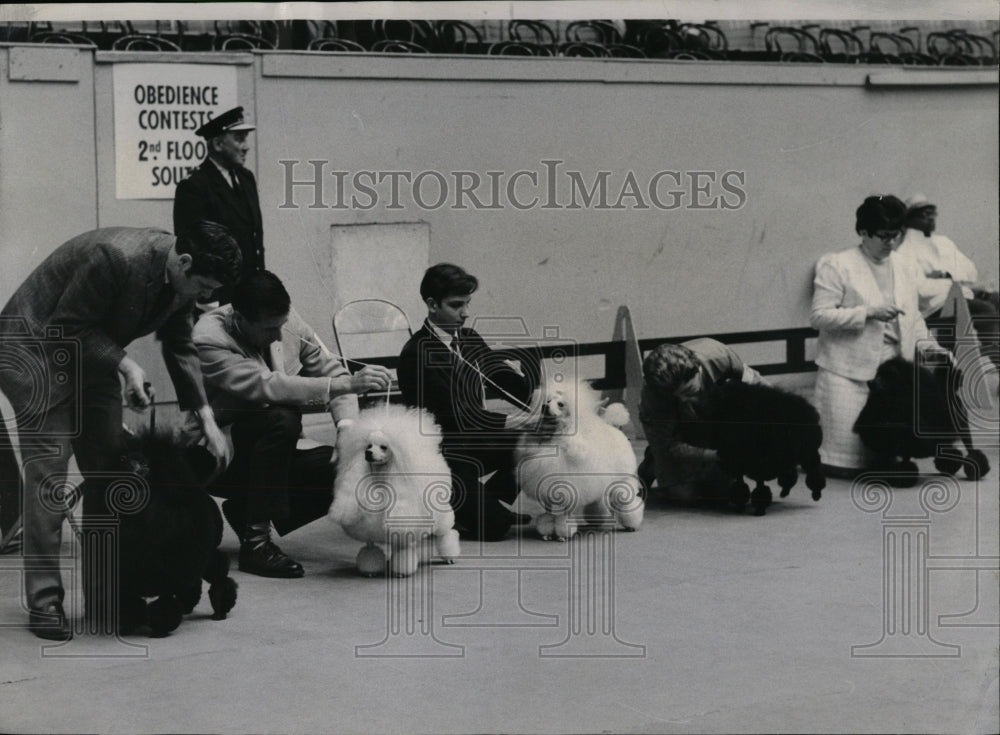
point(916, 411)
point(168, 535)
point(763, 433)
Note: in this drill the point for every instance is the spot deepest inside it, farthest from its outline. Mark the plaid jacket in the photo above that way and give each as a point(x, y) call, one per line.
point(97, 293)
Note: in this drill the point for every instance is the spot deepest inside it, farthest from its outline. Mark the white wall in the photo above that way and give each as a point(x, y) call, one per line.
point(813, 141)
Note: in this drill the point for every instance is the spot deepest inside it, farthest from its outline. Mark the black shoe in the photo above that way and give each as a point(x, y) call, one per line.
point(233, 512)
point(12, 543)
point(265, 559)
point(50, 623)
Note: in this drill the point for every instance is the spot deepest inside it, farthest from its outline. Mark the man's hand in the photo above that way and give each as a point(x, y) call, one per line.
point(371, 378)
point(884, 312)
point(135, 385)
point(215, 440)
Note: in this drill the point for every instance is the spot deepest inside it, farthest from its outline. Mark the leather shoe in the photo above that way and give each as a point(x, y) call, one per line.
point(265, 559)
point(50, 623)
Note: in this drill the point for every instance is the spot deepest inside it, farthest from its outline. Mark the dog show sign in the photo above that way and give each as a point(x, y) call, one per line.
point(157, 108)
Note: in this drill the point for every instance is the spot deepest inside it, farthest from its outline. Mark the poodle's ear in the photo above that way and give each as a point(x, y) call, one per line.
point(203, 464)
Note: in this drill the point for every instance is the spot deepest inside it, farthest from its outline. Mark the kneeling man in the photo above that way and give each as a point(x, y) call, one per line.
point(675, 378)
point(262, 364)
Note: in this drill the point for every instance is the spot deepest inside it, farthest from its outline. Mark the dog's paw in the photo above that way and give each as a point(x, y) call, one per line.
point(371, 561)
point(164, 615)
point(404, 561)
point(760, 498)
point(132, 614)
point(949, 465)
point(222, 595)
point(976, 465)
point(739, 493)
point(190, 597)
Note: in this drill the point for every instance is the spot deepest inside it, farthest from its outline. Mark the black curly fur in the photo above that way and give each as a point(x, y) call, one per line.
point(915, 411)
point(171, 544)
point(763, 433)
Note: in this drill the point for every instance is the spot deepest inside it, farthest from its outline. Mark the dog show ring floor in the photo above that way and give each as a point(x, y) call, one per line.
point(871, 610)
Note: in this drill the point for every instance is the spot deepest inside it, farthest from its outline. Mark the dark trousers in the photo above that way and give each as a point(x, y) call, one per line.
point(269, 479)
point(475, 502)
point(986, 322)
point(10, 481)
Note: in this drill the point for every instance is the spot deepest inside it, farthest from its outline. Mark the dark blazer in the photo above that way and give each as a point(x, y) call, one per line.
point(206, 195)
point(432, 377)
point(102, 290)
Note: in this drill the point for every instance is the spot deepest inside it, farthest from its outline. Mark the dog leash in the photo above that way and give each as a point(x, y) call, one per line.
point(518, 403)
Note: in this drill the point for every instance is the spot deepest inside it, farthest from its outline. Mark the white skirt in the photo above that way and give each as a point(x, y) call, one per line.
point(839, 401)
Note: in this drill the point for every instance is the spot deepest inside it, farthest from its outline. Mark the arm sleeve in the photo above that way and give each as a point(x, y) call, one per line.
point(87, 301)
point(181, 358)
point(828, 312)
point(253, 381)
point(317, 360)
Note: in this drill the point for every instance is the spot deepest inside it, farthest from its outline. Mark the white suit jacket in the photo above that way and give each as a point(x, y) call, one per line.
point(850, 345)
point(938, 253)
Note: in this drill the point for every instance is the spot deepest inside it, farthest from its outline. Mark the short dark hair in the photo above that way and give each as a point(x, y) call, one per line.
point(668, 366)
point(445, 279)
point(879, 213)
point(261, 295)
point(213, 250)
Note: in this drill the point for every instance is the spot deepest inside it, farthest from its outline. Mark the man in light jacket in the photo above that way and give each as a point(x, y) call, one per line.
point(262, 366)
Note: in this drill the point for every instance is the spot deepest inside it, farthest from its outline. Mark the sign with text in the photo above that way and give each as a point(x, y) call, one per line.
point(157, 109)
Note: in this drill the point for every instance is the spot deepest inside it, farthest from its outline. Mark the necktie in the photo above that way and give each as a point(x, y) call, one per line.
point(236, 183)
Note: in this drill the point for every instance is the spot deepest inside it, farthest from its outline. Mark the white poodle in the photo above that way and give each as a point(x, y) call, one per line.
point(578, 466)
point(393, 490)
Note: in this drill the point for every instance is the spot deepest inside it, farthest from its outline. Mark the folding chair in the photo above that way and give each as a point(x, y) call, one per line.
point(371, 328)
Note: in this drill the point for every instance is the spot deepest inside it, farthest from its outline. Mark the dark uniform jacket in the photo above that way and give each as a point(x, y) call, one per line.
point(206, 195)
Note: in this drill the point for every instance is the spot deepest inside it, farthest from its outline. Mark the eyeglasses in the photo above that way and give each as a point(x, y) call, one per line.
point(886, 236)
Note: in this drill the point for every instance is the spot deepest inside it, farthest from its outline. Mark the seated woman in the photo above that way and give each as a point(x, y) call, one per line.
point(865, 306)
point(675, 377)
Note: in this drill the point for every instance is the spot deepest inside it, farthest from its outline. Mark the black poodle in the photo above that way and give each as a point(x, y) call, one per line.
point(169, 530)
point(915, 411)
point(763, 433)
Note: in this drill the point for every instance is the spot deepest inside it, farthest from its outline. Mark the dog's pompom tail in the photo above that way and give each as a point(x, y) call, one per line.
point(616, 414)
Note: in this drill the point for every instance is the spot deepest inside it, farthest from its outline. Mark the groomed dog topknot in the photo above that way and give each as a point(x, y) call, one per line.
point(413, 433)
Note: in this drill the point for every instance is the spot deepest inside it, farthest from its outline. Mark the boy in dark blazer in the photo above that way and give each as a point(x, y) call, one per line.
point(445, 368)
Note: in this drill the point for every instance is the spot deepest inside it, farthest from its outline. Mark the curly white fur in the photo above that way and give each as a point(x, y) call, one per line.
point(393, 488)
point(578, 466)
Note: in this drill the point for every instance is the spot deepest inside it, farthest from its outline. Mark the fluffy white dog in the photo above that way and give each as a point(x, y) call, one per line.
point(393, 490)
point(578, 466)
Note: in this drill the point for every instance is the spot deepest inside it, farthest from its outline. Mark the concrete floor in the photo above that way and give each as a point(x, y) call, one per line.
point(704, 621)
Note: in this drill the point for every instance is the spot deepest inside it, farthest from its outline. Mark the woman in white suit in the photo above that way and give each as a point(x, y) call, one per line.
point(865, 307)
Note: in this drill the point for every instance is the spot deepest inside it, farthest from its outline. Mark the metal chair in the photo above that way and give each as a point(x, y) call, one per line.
point(366, 328)
point(335, 44)
point(518, 48)
point(396, 46)
point(457, 36)
point(142, 42)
